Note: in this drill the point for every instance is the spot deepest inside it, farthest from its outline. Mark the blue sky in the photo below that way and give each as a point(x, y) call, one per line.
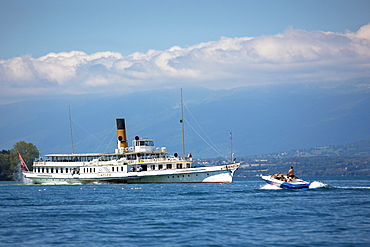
point(53, 47)
point(38, 27)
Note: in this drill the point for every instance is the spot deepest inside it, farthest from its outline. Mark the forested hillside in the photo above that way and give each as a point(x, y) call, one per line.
point(308, 166)
point(340, 160)
point(361, 148)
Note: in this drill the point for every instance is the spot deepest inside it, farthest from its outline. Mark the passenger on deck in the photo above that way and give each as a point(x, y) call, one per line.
point(291, 173)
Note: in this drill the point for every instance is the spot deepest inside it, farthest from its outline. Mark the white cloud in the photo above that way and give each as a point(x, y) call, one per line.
point(291, 57)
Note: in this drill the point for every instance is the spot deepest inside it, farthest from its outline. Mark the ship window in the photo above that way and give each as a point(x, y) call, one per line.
point(179, 166)
point(188, 165)
point(169, 166)
point(94, 169)
point(160, 167)
point(121, 168)
point(153, 167)
point(112, 169)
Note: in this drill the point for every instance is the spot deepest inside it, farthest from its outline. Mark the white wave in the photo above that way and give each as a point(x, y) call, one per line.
point(317, 184)
point(270, 187)
point(27, 181)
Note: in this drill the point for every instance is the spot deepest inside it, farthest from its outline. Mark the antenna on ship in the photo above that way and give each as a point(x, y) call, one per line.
point(70, 127)
point(182, 124)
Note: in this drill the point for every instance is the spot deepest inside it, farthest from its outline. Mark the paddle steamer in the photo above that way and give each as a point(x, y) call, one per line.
point(142, 162)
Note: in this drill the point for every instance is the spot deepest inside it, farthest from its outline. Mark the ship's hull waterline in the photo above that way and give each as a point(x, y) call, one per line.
point(195, 175)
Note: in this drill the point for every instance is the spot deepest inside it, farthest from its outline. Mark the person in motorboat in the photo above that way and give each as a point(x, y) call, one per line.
point(291, 173)
point(280, 176)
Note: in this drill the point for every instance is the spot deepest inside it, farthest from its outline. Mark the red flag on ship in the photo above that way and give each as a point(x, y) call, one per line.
point(23, 164)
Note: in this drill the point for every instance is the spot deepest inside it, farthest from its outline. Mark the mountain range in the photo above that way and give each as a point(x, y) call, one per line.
point(260, 119)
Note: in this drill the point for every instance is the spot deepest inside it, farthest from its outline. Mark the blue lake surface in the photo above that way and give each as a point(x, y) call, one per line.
point(244, 213)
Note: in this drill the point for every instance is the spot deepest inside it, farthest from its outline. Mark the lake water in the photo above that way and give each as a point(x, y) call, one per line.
point(244, 213)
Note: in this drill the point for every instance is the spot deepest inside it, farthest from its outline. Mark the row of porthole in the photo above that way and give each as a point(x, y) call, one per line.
point(177, 176)
point(53, 170)
point(184, 176)
point(113, 170)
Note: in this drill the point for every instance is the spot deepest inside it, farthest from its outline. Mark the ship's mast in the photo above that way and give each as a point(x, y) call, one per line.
point(231, 147)
point(182, 124)
point(70, 127)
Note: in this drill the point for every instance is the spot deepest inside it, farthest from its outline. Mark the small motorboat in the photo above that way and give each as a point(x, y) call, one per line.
point(281, 180)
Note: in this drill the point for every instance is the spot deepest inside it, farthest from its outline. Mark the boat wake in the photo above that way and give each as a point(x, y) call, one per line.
point(316, 184)
point(270, 187)
point(353, 188)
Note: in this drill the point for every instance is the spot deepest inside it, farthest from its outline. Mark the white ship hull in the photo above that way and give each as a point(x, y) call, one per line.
point(213, 174)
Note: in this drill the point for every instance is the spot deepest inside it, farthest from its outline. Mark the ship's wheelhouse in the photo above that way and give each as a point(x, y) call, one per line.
point(143, 145)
